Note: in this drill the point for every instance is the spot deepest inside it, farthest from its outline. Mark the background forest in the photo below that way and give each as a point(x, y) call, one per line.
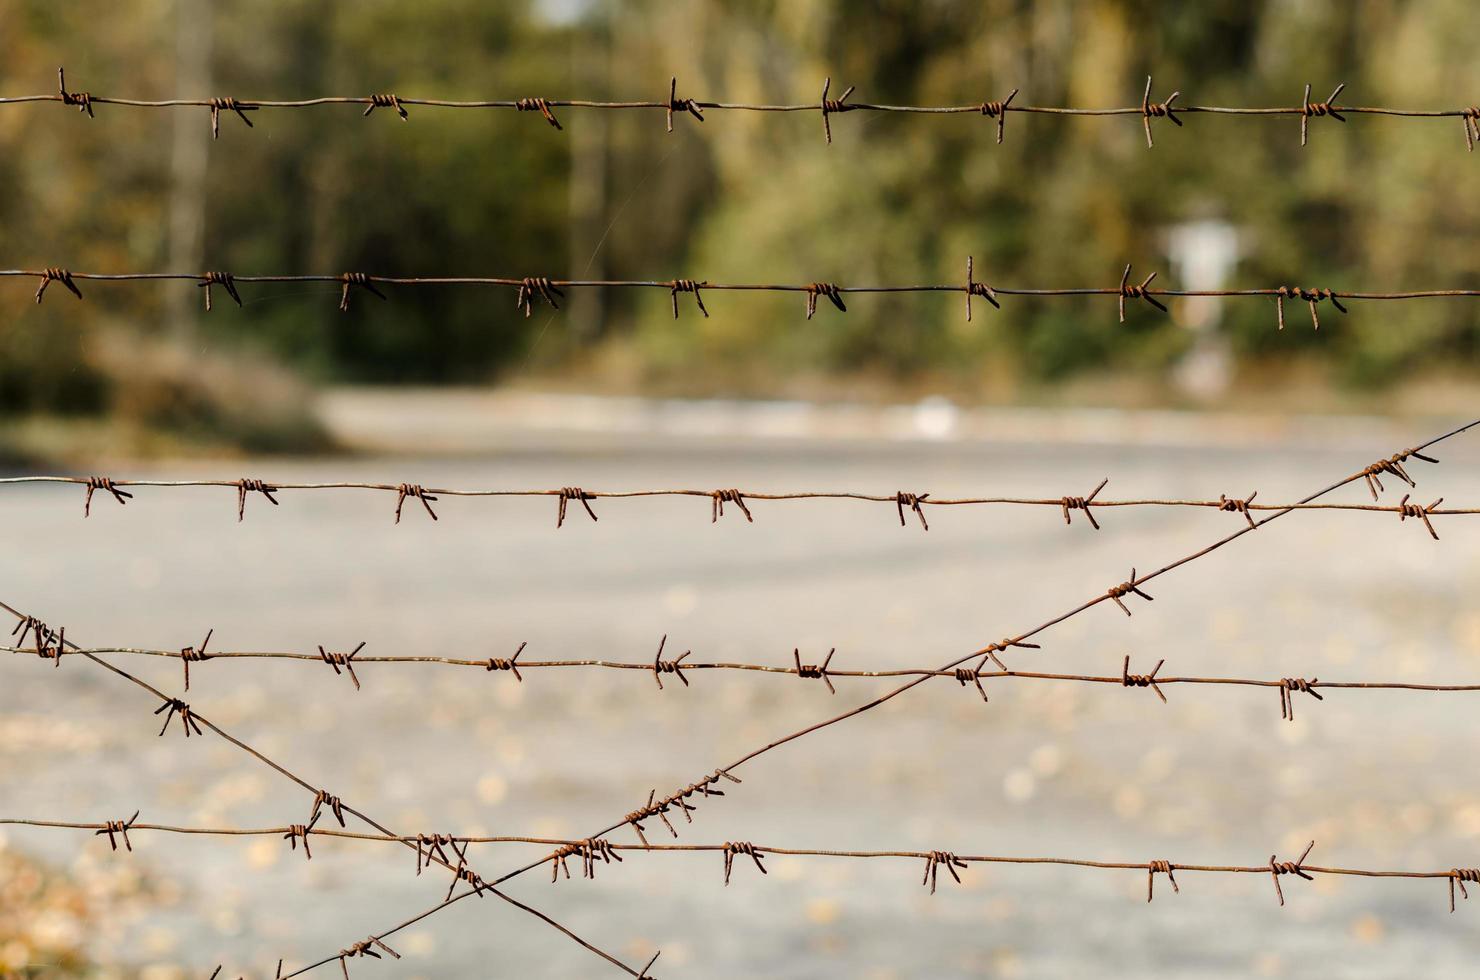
point(738, 197)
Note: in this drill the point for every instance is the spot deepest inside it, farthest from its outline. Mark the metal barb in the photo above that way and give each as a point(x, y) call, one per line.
point(1083, 503)
point(386, 100)
point(567, 494)
point(688, 286)
point(813, 671)
point(102, 483)
point(733, 848)
point(53, 274)
point(1131, 291)
point(1127, 679)
point(173, 707)
point(196, 655)
point(998, 110)
point(719, 498)
point(511, 664)
point(675, 104)
point(974, 288)
point(1290, 685)
point(828, 289)
point(1235, 506)
point(361, 279)
point(416, 490)
point(1125, 588)
point(223, 279)
point(833, 105)
point(116, 828)
point(1157, 109)
point(903, 499)
point(1153, 868)
point(674, 666)
point(231, 105)
point(1277, 868)
point(936, 860)
point(542, 106)
point(82, 100)
point(1309, 109)
point(345, 660)
point(1407, 510)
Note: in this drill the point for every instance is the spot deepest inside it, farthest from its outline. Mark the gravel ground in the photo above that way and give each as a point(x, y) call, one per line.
point(1377, 779)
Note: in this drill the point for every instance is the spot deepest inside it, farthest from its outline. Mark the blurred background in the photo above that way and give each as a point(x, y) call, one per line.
point(454, 386)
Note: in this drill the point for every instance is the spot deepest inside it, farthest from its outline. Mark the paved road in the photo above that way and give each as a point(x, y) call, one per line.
point(1379, 780)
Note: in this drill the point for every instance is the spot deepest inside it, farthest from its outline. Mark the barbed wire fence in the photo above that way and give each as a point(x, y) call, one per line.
point(684, 801)
point(1148, 110)
point(533, 290)
point(450, 852)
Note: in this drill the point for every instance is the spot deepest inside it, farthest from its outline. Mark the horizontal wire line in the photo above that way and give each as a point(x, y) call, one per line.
point(1066, 503)
point(687, 666)
point(1286, 292)
point(188, 716)
point(760, 848)
point(679, 799)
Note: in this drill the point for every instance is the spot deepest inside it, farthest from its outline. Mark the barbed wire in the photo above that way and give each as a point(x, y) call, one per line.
point(594, 852)
point(678, 667)
point(532, 290)
point(903, 501)
point(994, 109)
point(683, 800)
point(53, 642)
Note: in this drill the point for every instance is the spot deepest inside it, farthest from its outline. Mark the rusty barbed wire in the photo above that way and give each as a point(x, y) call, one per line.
point(657, 667)
point(901, 500)
point(192, 721)
point(530, 290)
point(1145, 111)
point(679, 799)
point(598, 850)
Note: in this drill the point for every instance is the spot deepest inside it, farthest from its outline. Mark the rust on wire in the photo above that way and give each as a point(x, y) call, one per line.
point(830, 106)
point(1128, 587)
point(532, 288)
point(386, 100)
point(732, 848)
point(998, 111)
point(345, 660)
point(189, 655)
point(247, 485)
point(827, 289)
point(172, 707)
point(1458, 876)
point(1159, 110)
point(223, 279)
point(510, 664)
point(1289, 686)
point(82, 100)
point(674, 666)
point(675, 104)
point(567, 494)
point(417, 491)
point(120, 828)
point(1153, 868)
point(590, 851)
point(94, 483)
point(230, 105)
point(1129, 290)
point(1470, 120)
point(688, 286)
point(903, 499)
point(1296, 867)
point(542, 106)
point(722, 497)
point(1327, 108)
point(1393, 466)
point(299, 832)
point(1071, 504)
point(936, 860)
point(1311, 296)
point(364, 948)
point(1127, 679)
point(321, 799)
point(1407, 510)
point(814, 671)
point(361, 279)
point(54, 274)
point(974, 288)
point(1235, 505)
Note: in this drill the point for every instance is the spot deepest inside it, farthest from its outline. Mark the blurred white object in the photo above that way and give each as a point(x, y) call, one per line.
point(1203, 253)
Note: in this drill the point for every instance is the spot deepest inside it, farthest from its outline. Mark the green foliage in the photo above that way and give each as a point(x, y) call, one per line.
point(1376, 203)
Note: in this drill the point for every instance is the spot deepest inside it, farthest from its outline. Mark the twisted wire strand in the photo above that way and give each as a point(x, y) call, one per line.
point(659, 808)
point(899, 499)
point(532, 289)
point(1146, 110)
point(572, 847)
point(190, 718)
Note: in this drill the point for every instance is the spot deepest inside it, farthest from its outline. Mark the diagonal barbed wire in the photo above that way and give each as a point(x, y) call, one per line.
point(903, 501)
point(683, 800)
point(533, 290)
point(1148, 110)
point(597, 852)
point(679, 667)
point(55, 640)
